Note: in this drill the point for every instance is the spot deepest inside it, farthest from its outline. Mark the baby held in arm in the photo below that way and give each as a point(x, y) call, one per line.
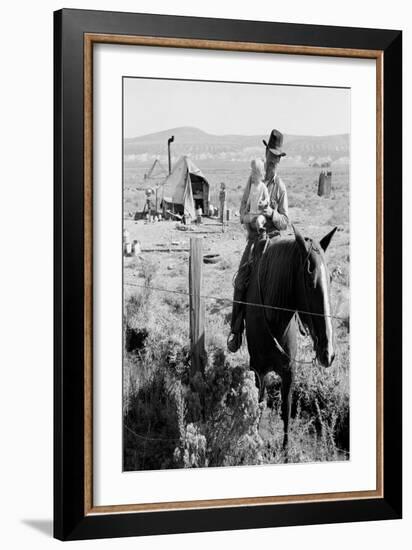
point(258, 198)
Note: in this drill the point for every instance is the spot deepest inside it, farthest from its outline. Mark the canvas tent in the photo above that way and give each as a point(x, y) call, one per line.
point(186, 189)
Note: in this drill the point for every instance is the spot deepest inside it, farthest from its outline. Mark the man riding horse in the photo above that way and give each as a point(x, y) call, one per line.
point(277, 219)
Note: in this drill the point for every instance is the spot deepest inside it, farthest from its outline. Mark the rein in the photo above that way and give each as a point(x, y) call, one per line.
point(274, 339)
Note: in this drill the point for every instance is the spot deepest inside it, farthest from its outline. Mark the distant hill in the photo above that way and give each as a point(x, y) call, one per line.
point(201, 146)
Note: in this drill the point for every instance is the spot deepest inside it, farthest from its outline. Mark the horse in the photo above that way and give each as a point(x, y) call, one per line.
point(290, 274)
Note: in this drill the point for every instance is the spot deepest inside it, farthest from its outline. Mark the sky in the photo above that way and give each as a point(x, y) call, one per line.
point(153, 105)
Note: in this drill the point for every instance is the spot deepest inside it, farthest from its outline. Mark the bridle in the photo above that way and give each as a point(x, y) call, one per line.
point(309, 320)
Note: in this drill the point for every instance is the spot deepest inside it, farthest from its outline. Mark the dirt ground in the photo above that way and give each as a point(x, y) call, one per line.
point(166, 247)
point(165, 253)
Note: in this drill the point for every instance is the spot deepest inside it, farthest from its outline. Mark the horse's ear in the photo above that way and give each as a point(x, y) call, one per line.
point(324, 242)
point(300, 240)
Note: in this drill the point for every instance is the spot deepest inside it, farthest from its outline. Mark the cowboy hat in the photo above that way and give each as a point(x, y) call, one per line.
point(275, 143)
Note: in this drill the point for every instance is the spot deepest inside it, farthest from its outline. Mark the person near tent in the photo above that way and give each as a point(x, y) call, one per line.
point(149, 204)
point(222, 201)
point(277, 219)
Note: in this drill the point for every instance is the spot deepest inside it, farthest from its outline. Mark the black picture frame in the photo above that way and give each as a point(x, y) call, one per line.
point(70, 519)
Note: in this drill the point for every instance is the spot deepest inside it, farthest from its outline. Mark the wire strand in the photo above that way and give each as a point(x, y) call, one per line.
point(146, 438)
point(221, 299)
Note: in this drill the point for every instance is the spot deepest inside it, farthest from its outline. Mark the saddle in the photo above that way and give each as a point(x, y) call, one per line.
point(260, 245)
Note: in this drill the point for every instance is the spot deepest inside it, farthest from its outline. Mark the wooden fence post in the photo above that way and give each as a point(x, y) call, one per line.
point(197, 307)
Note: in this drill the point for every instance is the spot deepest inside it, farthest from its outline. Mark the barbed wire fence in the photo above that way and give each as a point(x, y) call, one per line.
point(197, 296)
point(231, 301)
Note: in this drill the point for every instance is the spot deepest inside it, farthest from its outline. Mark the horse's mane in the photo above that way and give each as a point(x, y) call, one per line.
point(277, 271)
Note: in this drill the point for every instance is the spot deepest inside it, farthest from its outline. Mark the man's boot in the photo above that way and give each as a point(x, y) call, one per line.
point(234, 341)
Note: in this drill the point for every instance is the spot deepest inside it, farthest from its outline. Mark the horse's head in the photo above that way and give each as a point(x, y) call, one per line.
point(314, 296)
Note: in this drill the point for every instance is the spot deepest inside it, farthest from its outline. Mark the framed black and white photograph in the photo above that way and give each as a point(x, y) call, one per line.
point(206, 211)
point(227, 274)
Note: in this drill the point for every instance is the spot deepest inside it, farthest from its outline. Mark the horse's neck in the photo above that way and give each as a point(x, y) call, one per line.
point(300, 299)
point(285, 301)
